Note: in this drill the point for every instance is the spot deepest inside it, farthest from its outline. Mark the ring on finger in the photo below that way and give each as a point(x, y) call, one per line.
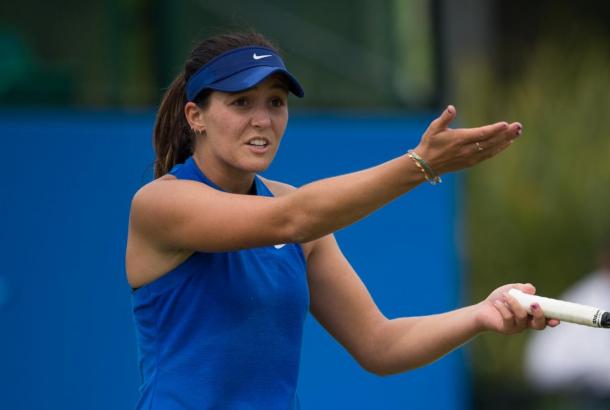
point(479, 146)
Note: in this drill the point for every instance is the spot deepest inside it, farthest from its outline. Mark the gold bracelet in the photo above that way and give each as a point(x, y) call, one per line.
point(428, 172)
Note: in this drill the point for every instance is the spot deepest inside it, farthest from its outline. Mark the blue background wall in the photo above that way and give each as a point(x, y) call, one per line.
point(67, 338)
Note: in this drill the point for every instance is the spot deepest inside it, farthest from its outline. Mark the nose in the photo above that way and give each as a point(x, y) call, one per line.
point(261, 118)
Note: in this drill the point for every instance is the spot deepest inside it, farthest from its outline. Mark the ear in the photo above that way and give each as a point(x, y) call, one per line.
point(194, 116)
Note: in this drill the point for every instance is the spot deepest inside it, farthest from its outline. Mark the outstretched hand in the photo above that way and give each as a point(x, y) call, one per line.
point(446, 149)
point(502, 313)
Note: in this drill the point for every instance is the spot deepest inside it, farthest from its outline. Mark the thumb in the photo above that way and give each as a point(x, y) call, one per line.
point(443, 121)
point(526, 288)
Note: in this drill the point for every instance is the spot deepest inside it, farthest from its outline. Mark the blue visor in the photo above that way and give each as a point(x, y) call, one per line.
point(238, 70)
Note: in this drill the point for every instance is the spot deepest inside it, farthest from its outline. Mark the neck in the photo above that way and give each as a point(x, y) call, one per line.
point(229, 179)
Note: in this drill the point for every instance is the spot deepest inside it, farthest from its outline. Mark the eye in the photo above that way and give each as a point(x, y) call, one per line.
point(240, 102)
point(277, 102)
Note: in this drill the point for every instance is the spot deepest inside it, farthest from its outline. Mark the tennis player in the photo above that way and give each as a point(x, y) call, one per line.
point(225, 264)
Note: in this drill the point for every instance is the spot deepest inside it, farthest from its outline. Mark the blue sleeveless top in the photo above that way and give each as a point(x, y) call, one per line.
point(223, 330)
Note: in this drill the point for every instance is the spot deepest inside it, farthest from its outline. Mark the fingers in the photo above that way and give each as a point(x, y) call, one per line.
point(535, 319)
point(495, 144)
point(443, 121)
point(495, 150)
point(493, 138)
point(516, 318)
point(525, 288)
point(481, 134)
point(538, 320)
point(504, 138)
point(553, 322)
point(451, 149)
point(507, 315)
point(519, 312)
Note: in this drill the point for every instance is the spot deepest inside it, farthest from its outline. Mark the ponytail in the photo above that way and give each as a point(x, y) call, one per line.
point(172, 136)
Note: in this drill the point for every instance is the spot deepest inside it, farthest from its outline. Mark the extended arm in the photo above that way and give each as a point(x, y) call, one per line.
point(342, 304)
point(188, 216)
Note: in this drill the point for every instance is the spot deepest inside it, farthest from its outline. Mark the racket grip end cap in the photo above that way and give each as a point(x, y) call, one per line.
point(605, 322)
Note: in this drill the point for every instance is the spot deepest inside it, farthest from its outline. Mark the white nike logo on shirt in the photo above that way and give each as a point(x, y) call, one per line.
point(254, 56)
point(280, 246)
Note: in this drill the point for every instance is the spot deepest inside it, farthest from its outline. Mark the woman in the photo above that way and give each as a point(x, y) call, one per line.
point(225, 264)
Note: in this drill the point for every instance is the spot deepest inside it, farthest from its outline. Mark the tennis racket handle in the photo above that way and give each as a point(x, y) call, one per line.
point(565, 311)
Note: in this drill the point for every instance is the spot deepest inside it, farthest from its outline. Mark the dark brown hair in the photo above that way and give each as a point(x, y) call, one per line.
point(172, 137)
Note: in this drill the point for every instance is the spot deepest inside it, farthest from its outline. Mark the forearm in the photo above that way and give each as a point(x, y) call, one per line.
point(408, 343)
point(325, 206)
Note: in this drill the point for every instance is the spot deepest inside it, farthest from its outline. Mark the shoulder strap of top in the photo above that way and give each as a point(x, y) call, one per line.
point(261, 188)
point(189, 170)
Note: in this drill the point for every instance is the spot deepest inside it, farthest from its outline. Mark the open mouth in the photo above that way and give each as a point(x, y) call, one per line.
point(258, 143)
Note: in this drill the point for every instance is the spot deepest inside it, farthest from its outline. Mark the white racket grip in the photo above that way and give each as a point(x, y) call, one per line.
point(559, 309)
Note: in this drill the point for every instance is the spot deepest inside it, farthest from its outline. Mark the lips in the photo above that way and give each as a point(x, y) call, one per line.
point(258, 142)
point(258, 145)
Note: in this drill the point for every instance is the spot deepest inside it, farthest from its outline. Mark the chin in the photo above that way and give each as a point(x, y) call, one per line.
point(257, 165)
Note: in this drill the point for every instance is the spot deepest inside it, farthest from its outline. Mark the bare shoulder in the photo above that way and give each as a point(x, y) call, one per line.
point(157, 187)
point(166, 195)
point(156, 240)
point(151, 189)
point(277, 188)
point(156, 208)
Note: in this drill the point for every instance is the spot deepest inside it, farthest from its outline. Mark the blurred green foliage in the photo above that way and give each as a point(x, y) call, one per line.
point(124, 53)
point(538, 211)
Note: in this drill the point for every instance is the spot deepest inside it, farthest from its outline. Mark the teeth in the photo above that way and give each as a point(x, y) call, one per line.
point(258, 142)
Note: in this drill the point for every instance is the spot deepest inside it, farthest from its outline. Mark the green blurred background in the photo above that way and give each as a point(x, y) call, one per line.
point(535, 214)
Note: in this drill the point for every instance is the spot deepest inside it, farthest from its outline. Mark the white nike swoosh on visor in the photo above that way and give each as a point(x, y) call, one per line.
point(280, 246)
point(254, 56)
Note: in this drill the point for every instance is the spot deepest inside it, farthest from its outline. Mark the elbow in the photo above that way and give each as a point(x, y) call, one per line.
point(373, 360)
point(299, 226)
point(305, 222)
point(376, 367)
point(288, 220)
point(302, 233)
point(384, 370)
point(378, 357)
point(296, 231)
point(370, 352)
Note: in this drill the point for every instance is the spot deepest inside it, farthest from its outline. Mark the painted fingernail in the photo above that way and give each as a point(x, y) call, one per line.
point(535, 306)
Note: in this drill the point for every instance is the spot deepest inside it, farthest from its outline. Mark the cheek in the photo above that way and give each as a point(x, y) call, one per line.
point(224, 123)
point(281, 121)
point(226, 130)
